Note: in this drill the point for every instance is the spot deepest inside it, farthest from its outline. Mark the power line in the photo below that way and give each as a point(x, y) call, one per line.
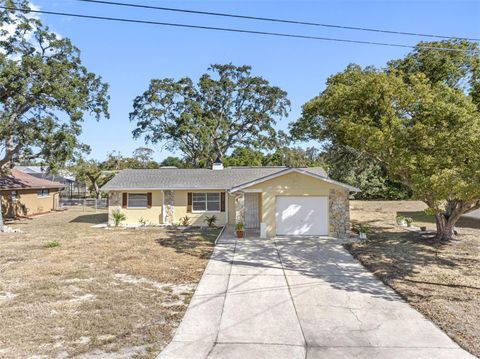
point(277, 34)
point(285, 21)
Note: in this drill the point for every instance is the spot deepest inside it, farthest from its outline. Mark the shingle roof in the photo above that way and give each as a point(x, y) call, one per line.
point(20, 180)
point(176, 178)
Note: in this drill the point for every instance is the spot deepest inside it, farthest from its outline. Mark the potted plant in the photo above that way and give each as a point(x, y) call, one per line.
point(409, 221)
point(363, 229)
point(240, 230)
point(401, 220)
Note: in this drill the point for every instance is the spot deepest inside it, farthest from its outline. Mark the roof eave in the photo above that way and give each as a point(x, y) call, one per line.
point(290, 170)
point(110, 189)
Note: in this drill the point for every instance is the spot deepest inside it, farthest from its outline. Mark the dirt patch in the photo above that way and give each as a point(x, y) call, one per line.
point(441, 281)
point(101, 293)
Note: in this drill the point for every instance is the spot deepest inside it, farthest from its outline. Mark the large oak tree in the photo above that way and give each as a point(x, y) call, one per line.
point(419, 117)
point(45, 91)
point(228, 108)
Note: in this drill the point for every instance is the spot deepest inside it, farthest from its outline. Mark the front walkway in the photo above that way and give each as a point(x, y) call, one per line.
point(299, 298)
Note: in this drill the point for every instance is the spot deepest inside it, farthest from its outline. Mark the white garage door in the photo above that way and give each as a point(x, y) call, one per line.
point(302, 216)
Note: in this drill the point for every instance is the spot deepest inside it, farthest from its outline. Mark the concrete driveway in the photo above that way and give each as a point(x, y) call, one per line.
point(299, 298)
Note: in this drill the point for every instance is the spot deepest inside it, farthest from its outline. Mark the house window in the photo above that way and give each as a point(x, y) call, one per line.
point(137, 200)
point(14, 195)
point(43, 193)
point(206, 202)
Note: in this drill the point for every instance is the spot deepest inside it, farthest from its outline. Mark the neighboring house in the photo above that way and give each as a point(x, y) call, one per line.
point(26, 195)
point(473, 214)
point(273, 200)
point(72, 187)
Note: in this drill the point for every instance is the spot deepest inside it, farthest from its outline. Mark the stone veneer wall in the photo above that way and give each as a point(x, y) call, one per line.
point(339, 213)
point(239, 208)
point(169, 201)
point(114, 200)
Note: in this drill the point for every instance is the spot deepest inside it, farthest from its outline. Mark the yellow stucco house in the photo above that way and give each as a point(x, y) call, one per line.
point(23, 195)
point(273, 200)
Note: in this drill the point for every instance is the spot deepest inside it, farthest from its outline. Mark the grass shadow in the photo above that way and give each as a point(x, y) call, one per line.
point(95, 218)
point(195, 242)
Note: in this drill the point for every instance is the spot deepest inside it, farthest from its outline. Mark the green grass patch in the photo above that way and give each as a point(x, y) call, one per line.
point(53, 244)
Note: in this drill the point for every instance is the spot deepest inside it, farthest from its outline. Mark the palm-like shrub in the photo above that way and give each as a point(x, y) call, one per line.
point(210, 221)
point(118, 217)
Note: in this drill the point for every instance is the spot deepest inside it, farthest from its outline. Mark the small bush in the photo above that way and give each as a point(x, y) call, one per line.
point(185, 221)
point(142, 222)
point(53, 244)
point(400, 220)
point(210, 221)
point(361, 228)
point(118, 217)
point(409, 221)
point(239, 226)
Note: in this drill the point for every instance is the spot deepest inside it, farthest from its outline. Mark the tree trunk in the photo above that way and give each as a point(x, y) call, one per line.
point(96, 189)
point(447, 219)
point(445, 226)
point(444, 233)
point(2, 228)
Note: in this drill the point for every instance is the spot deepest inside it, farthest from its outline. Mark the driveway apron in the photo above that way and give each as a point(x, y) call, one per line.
point(299, 298)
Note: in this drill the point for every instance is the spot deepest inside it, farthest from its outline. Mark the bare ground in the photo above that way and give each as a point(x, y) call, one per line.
point(102, 293)
point(441, 281)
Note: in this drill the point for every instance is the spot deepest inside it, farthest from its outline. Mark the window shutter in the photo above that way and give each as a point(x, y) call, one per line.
point(149, 200)
point(222, 201)
point(189, 202)
point(124, 199)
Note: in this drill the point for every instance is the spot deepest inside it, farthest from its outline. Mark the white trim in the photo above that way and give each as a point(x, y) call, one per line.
point(290, 170)
point(163, 207)
point(221, 232)
point(263, 230)
point(253, 191)
point(207, 212)
point(226, 206)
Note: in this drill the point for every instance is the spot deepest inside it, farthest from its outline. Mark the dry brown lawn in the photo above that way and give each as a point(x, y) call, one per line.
point(102, 293)
point(441, 281)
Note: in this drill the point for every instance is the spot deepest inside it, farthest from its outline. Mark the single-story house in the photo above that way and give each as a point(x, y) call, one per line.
point(25, 195)
point(273, 200)
point(73, 188)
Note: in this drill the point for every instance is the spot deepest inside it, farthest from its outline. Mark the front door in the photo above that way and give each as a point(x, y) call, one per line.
point(251, 211)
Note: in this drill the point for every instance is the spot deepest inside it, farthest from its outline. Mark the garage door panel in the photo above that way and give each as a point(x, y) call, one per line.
point(302, 215)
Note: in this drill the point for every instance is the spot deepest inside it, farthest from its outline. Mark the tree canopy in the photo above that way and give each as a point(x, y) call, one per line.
point(418, 117)
point(45, 91)
point(228, 108)
point(347, 165)
point(93, 173)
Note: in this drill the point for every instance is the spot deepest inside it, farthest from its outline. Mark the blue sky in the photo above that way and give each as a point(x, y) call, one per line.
point(128, 56)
